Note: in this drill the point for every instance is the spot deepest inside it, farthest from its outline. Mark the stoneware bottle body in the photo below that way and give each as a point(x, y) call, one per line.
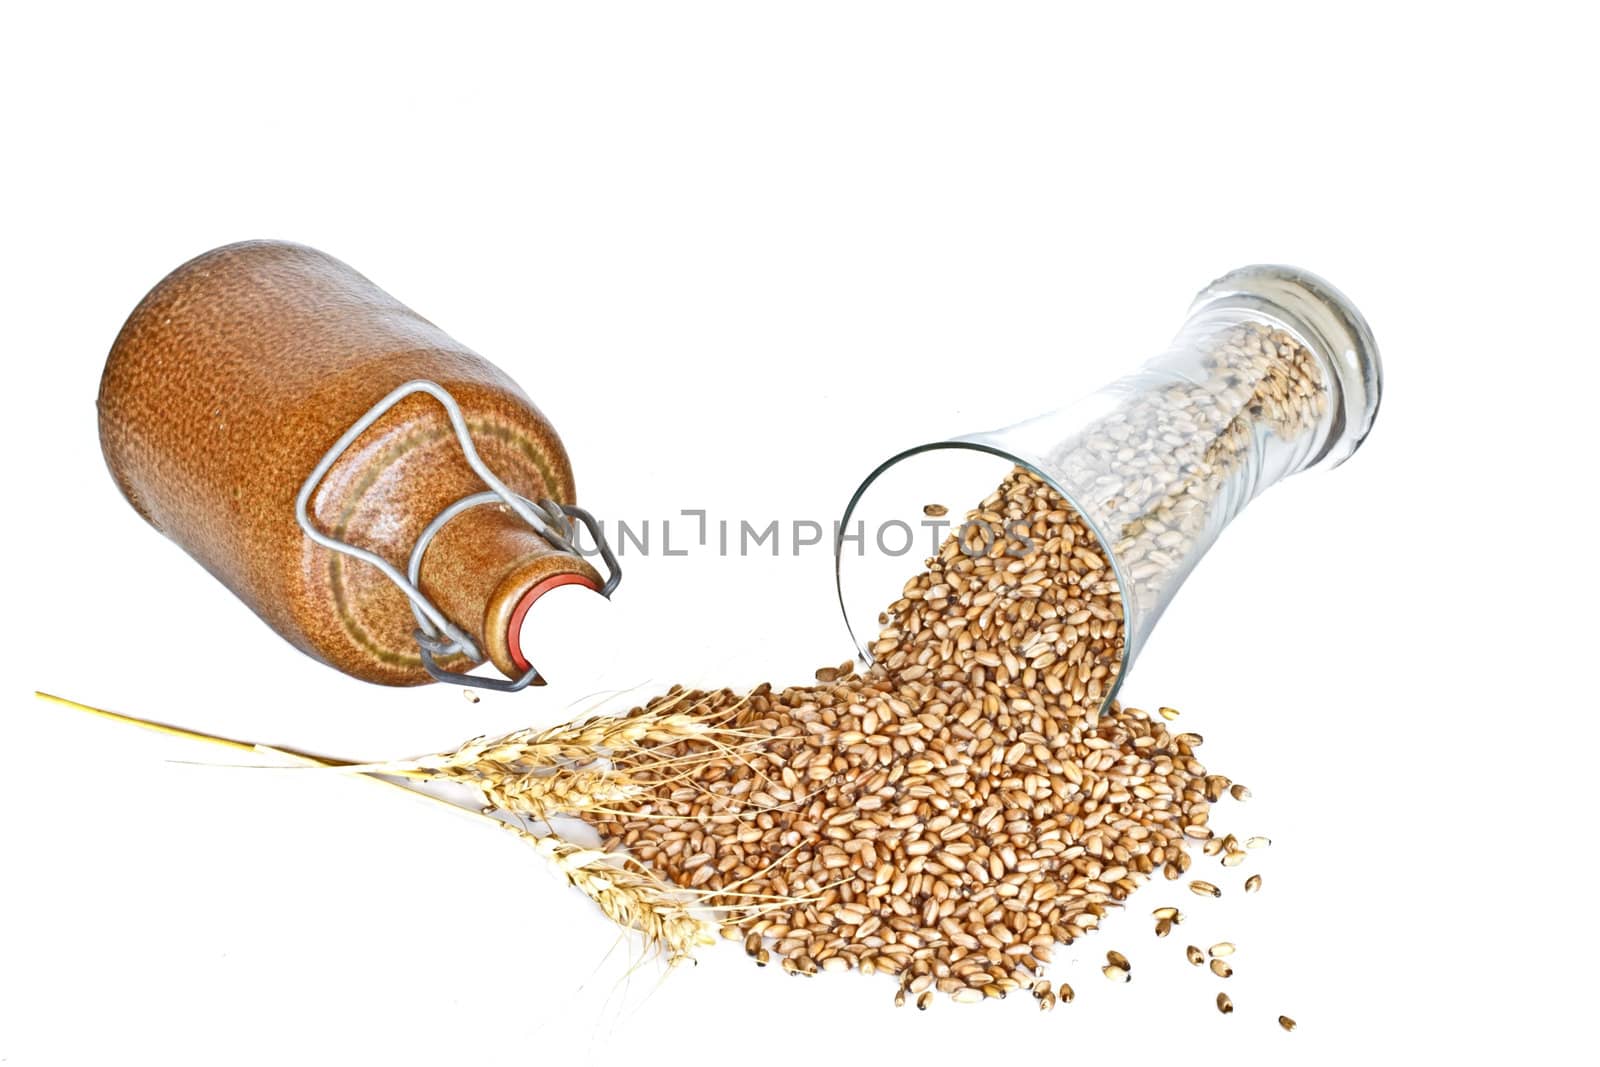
point(233, 378)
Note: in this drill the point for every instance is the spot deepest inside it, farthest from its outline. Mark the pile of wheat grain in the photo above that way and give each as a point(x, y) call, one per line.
point(961, 807)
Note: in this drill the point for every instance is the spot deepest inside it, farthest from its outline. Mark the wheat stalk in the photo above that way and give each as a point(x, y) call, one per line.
point(562, 791)
point(590, 766)
point(628, 897)
point(632, 898)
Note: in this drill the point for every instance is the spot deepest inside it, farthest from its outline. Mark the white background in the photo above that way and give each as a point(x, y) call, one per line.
point(739, 253)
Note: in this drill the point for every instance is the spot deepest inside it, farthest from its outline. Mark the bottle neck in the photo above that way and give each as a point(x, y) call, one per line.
point(486, 569)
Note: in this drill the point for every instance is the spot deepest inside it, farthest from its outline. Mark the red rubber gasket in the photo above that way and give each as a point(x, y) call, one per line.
point(537, 590)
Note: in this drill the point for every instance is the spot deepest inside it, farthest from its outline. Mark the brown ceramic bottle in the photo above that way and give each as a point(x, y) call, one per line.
point(240, 371)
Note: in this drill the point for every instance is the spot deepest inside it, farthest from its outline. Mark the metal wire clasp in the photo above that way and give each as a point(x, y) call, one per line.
point(436, 635)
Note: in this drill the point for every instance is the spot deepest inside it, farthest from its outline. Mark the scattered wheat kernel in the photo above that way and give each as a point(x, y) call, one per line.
point(1257, 842)
point(1221, 948)
point(827, 674)
point(924, 999)
point(1286, 1022)
point(1239, 792)
point(1196, 957)
point(1047, 1002)
point(967, 995)
point(1221, 969)
point(1117, 959)
point(1169, 713)
point(1165, 913)
point(899, 998)
point(1202, 888)
point(1224, 1004)
point(1064, 993)
point(1252, 883)
point(469, 696)
point(1115, 973)
point(1163, 927)
point(935, 511)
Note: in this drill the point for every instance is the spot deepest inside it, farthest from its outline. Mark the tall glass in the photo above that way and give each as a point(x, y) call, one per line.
point(1273, 372)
